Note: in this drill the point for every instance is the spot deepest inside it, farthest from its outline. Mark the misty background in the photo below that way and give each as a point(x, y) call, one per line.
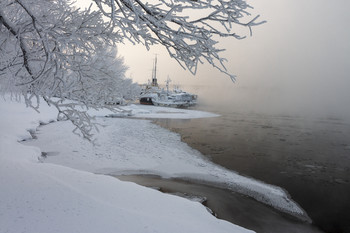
point(298, 63)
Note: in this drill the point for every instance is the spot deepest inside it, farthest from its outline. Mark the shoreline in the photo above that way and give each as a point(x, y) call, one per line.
point(194, 159)
point(266, 219)
point(160, 159)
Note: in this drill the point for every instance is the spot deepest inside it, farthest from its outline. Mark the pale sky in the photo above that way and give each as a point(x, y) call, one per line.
point(299, 61)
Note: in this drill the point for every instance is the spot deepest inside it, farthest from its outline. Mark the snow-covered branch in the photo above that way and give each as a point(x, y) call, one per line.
point(47, 49)
point(188, 29)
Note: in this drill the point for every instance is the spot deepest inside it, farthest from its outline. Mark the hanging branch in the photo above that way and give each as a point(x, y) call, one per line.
point(187, 38)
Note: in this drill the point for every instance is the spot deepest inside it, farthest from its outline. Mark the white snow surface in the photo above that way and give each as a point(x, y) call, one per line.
point(40, 197)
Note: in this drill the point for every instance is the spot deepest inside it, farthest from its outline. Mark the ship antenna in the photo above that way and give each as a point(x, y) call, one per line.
point(167, 85)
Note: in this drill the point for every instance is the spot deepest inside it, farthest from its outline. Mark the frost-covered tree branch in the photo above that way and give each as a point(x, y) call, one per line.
point(52, 50)
point(46, 50)
point(103, 79)
point(188, 29)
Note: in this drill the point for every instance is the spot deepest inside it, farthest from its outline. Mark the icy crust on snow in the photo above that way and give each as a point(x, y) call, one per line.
point(45, 197)
point(150, 111)
point(128, 146)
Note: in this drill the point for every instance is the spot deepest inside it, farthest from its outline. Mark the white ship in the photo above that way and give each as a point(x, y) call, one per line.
point(152, 94)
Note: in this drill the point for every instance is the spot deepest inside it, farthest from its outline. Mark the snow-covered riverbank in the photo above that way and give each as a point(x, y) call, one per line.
point(64, 195)
point(43, 197)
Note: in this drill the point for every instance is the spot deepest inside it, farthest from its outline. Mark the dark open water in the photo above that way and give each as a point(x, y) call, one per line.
point(227, 205)
point(309, 157)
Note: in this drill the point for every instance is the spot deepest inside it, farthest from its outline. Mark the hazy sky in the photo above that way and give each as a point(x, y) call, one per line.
point(299, 61)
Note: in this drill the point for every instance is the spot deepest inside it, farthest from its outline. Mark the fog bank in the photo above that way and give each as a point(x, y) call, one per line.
point(296, 63)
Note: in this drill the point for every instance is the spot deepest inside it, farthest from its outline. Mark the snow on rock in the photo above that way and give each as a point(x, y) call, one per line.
point(44, 197)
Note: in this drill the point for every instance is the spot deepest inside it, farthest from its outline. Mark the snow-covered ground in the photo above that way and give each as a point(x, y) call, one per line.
point(69, 191)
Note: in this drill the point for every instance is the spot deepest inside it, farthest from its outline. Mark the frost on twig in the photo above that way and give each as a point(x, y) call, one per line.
point(188, 29)
point(74, 112)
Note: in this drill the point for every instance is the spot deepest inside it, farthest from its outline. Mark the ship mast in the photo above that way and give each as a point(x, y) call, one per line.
point(154, 74)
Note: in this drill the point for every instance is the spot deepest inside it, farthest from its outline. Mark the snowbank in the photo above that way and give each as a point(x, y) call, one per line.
point(43, 197)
